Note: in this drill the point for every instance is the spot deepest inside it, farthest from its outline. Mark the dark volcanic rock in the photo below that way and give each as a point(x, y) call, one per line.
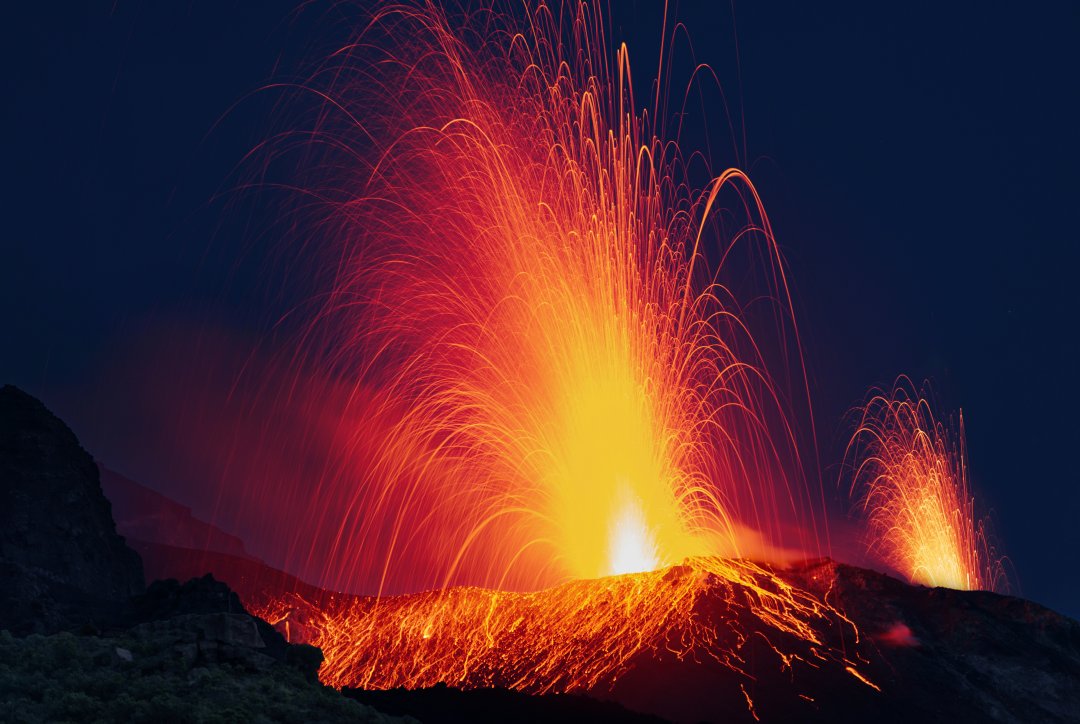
point(204, 621)
point(178, 652)
point(62, 564)
point(932, 655)
point(444, 705)
point(169, 598)
point(951, 655)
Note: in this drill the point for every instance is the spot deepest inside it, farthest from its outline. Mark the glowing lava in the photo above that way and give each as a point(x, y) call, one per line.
point(631, 548)
point(580, 636)
point(913, 483)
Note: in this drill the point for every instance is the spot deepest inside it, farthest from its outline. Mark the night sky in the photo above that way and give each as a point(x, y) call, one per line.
point(918, 164)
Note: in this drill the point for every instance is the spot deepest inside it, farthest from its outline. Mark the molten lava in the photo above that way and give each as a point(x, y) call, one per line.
point(631, 548)
point(580, 636)
point(914, 489)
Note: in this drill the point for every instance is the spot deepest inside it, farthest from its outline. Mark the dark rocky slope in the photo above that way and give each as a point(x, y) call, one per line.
point(62, 564)
point(445, 705)
point(89, 643)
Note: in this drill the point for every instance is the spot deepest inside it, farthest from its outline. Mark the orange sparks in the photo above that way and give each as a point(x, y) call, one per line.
point(913, 483)
point(749, 703)
point(854, 672)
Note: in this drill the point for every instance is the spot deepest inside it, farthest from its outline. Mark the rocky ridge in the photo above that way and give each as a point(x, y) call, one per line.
point(62, 564)
point(82, 639)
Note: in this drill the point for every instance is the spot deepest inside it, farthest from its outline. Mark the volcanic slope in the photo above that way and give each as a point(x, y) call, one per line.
point(689, 645)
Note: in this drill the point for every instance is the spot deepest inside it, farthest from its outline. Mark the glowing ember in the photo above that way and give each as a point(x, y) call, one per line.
point(914, 487)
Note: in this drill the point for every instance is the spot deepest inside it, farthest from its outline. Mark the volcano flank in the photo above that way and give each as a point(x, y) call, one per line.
point(906, 653)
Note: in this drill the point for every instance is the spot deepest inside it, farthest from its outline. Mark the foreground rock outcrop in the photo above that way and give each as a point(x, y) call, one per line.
point(80, 638)
point(62, 564)
point(203, 622)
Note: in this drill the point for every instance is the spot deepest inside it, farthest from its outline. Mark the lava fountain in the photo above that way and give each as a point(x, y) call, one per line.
point(565, 360)
point(911, 473)
point(551, 378)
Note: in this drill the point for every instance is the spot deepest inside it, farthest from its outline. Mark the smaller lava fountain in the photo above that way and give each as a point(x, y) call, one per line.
point(912, 479)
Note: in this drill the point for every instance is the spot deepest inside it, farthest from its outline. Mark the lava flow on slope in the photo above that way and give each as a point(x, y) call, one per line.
point(635, 638)
point(689, 644)
point(580, 636)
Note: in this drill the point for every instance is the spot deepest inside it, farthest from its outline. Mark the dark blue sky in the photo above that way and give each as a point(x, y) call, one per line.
point(918, 163)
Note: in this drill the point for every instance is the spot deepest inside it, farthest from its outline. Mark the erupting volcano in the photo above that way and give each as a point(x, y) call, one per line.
point(571, 420)
point(507, 360)
point(567, 361)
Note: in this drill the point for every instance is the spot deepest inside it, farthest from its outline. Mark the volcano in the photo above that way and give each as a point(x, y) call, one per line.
point(510, 403)
point(907, 653)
